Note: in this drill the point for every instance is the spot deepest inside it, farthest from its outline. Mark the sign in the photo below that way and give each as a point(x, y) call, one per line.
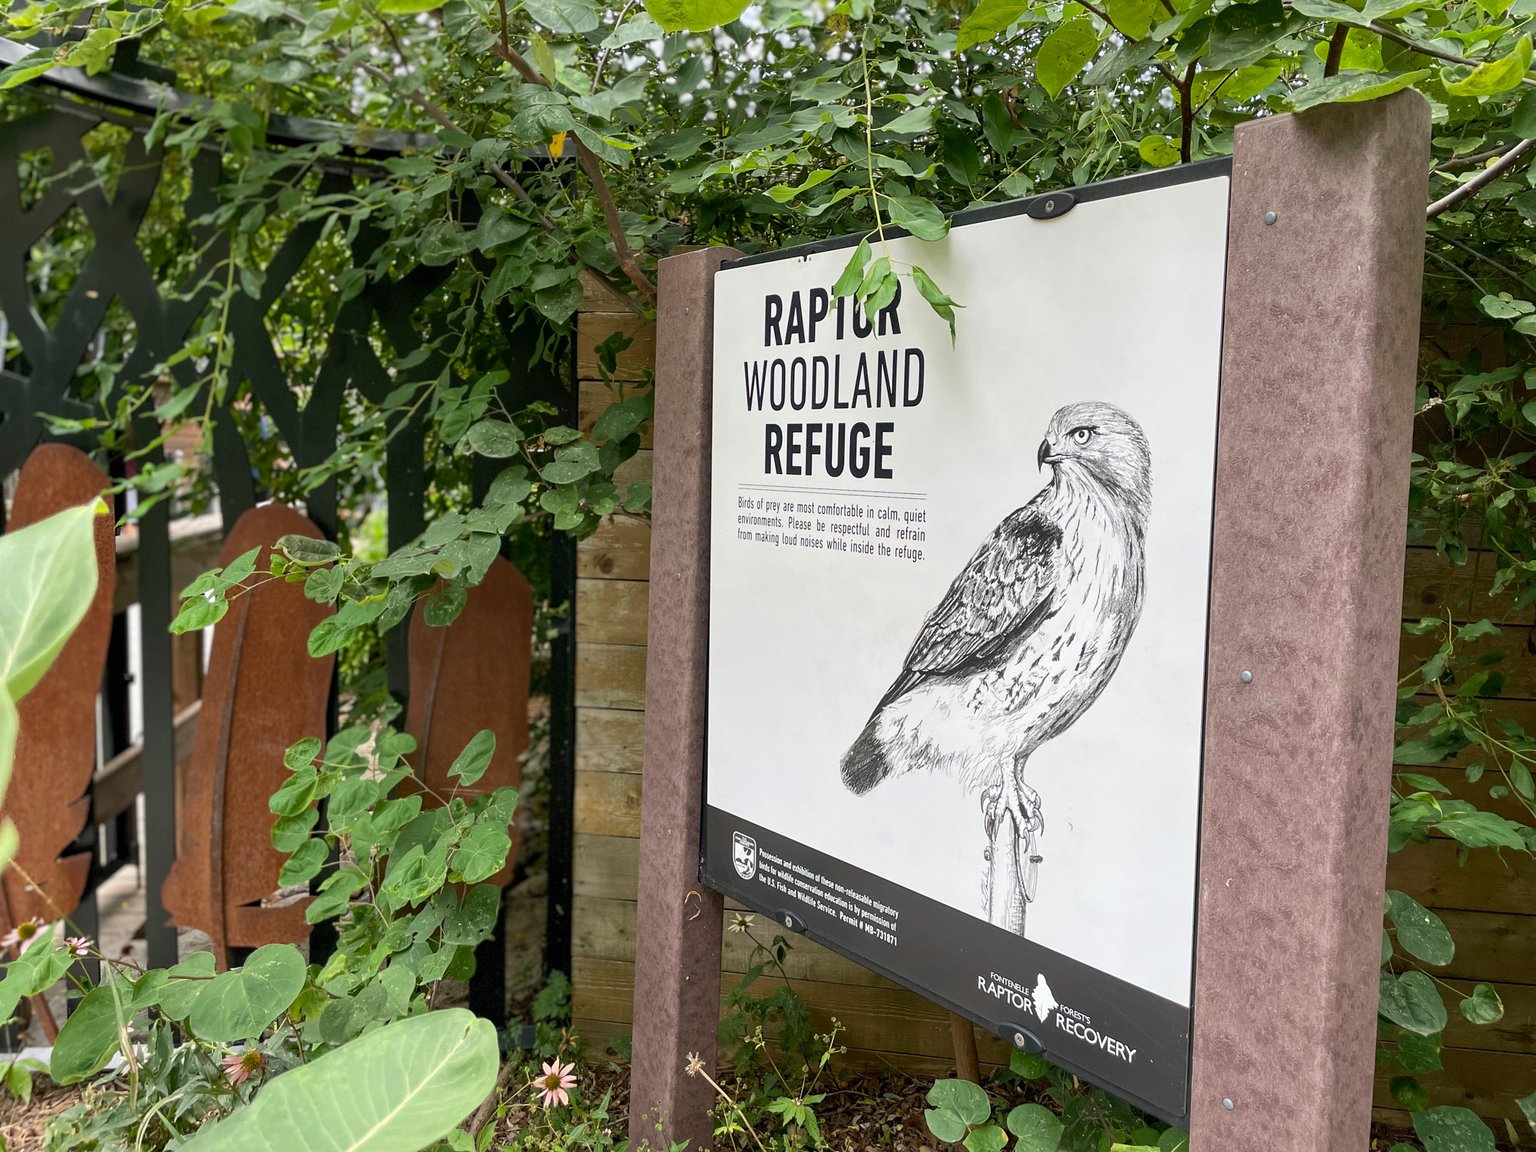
point(959, 596)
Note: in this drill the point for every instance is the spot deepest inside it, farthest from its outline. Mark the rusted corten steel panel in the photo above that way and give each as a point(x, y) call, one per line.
point(1325, 256)
point(263, 692)
point(469, 675)
point(49, 794)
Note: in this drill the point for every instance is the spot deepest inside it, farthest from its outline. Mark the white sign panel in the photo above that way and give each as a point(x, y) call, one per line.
point(958, 604)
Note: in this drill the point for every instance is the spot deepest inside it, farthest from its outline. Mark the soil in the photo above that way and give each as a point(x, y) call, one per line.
point(21, 1125)
point(866, 1112)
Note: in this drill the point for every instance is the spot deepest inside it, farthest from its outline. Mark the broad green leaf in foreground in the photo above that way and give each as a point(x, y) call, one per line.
point(396, 1089)
point(50, 578)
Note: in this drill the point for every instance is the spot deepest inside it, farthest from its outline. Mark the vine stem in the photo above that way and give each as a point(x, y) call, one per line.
point(1487, 176)
point(869, 150)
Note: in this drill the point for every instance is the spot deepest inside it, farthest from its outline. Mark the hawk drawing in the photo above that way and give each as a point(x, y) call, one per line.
point(1023, 642)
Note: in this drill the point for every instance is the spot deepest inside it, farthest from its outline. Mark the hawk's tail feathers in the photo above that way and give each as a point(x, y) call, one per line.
point(866, 764)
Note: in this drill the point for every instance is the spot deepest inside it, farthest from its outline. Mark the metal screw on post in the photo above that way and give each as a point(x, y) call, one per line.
point(1270, 217)
point(1245, 676)
point(1227, 1104)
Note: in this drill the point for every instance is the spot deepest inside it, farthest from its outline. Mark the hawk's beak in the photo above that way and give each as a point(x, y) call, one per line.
point(1045, 455)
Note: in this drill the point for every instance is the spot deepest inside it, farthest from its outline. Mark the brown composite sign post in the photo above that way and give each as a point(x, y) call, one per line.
point(1286, 757)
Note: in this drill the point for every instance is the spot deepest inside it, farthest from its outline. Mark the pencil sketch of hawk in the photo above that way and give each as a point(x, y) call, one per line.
point(1023, 642)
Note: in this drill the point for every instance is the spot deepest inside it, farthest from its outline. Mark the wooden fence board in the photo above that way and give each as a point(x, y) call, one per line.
point(608, 803)
point(879, 1018)
point(619, 550)
point(610, 676)
point(1489, 882)
point(1489, 1083)
point(1432, 585)
point(634, 363)
point(612, 611)
point(609, 739)
point(1515, 641)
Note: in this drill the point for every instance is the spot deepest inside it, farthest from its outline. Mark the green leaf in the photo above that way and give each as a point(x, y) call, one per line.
point(470, 764)
point(304, 864)
point(694, 15)
point(988, 20)
point(473, 921)
point(495, 438)
point(1421, 933)
point(241, 1003)
point(1482, 830)
point(919, 216)
point(1158, 151)
point(50, 580)
point(1524, 119)
point(961, 1098)
point(853, 272)
point(407, 7)
point(1037, 1129)
point(1497, 75)
point(188, 980)
point(1132, 17)
point(1408, 1092)
point(1027, 1065)
point(1411, 1001)
point(92, 1034)
point(1064, 53)
point(1447, 1129)
point(423, 1076)
point(1352, 87)
point(35, 970)
point(1173, 1140)
point(1505, 306)
point(1419, 1055)
point(308, 551)
point(1528, 1109)
point(443, 606)
point(482, 853)
point(567, 17)
point(1483, 1006)
point(937, 298)
point(986, 1138)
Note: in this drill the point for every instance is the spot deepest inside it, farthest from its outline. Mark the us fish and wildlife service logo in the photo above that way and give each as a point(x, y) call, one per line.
point(744, 855)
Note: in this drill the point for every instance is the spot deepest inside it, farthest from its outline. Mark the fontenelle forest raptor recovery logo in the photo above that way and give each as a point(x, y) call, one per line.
point(1043, 1003)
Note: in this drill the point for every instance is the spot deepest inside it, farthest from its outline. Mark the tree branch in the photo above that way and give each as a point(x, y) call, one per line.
point(1426, 50)
point(594, 170)
point(1103, 15)
point(1186, 113)
point(1336, 50)
point(1487, 176)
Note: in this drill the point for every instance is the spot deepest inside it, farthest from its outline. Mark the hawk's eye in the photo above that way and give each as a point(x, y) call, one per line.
point(1081, 436)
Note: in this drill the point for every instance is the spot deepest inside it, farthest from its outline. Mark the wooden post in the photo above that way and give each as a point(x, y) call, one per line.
point(677, 934)
point(1324, 267)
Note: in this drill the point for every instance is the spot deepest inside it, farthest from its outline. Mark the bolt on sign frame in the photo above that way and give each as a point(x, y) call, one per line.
point(1315, 328)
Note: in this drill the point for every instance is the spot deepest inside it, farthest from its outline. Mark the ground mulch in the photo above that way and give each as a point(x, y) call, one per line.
point(866, 1111)
point(21, 1125)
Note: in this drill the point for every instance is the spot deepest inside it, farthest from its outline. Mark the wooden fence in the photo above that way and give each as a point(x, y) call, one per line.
point(1487, 904)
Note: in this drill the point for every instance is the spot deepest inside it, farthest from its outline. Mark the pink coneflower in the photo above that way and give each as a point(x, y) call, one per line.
point(240, 1066)
point(79, 945)
point(555, 1081)
point(23, 935)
